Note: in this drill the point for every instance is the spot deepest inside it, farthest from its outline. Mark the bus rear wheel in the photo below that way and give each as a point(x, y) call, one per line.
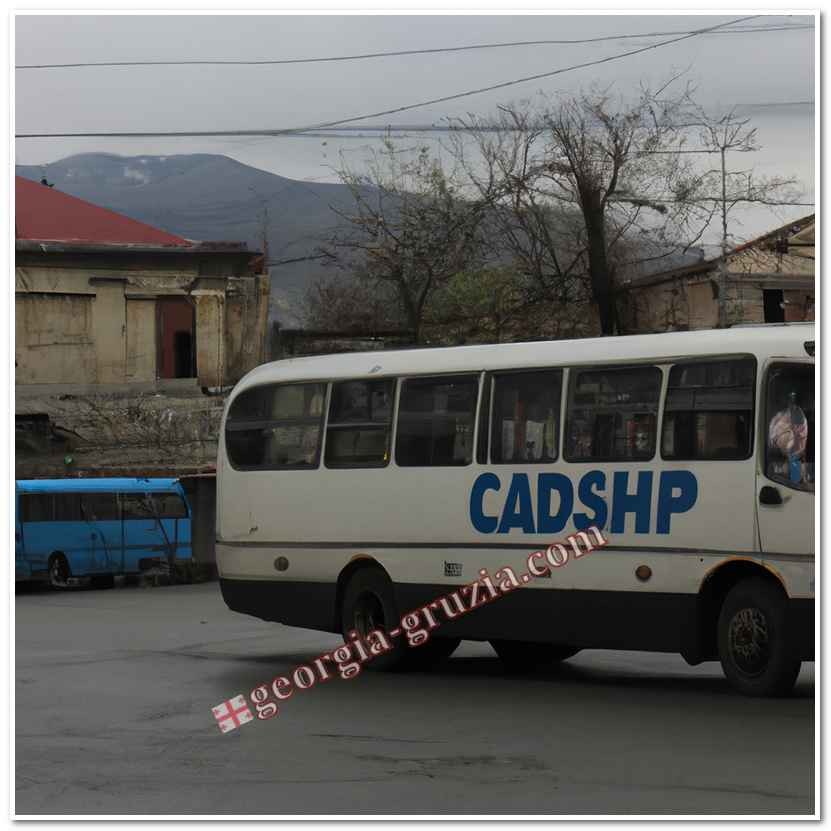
point(753, 644)
point(59, 572)
point(521, 656)
point(368, 605)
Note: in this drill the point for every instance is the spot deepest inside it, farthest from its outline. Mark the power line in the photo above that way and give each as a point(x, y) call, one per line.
point(432, 51)
point(441, 100)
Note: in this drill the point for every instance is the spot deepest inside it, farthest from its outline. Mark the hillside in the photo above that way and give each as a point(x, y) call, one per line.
point(211, 197)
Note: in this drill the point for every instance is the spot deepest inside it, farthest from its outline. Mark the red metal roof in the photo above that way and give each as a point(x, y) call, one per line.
point(43, 213)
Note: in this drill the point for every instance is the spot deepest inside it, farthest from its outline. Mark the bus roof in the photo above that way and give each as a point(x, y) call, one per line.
point(93, 485)
point(764, 341)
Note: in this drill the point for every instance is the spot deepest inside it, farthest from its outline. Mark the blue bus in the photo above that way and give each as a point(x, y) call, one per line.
point(71, 530)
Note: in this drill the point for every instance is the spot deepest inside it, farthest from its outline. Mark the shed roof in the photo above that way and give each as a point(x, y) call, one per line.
point(42, 213)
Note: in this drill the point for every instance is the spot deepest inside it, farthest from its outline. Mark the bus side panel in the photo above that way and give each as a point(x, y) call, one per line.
point(143, 542)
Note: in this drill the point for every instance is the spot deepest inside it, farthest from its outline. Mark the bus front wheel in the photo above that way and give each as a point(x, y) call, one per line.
point(59, 572)
point(753, 644)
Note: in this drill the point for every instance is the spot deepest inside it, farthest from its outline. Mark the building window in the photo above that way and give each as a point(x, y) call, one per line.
point(612, 414)
point(789, 410)
point(526, 417)
point(435, 421)
point(709, 410)
point(276, 426)
point(360, 423)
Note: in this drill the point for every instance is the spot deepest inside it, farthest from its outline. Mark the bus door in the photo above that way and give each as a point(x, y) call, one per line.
point(101, 516)
point(174, 519)
point(144, 538)
point(785, 480)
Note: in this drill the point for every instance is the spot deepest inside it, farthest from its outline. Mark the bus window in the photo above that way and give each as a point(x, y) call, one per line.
point(36, 507)
point(359, 426)
point(612, 414)
point(102, 507)
point(789, 413)
point(67, 507)
point(137, 506)
point(170, 505)
point(709, 410)
point(435, 421)
point(277, 426)
point(526, 417)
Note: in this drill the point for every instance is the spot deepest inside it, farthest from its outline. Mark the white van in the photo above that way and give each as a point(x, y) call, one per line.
point(355, 488)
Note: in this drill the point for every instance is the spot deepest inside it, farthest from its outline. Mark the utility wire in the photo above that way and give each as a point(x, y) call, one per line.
point(433, 51)
point(443, 99)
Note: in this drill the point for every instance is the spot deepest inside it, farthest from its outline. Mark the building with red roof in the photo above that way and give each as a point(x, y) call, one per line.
point(45, 214)
point(103, 299)
point(109, 309)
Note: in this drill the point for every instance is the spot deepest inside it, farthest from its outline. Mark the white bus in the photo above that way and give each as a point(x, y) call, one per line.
point(354, 488)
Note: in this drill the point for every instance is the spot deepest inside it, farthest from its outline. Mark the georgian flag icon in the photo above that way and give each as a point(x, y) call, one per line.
point(232, 713)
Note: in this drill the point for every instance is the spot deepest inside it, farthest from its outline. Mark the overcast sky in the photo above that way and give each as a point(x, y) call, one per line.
point(745, 70)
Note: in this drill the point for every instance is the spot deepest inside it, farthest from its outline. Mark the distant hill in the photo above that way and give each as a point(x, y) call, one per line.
point(208, 197)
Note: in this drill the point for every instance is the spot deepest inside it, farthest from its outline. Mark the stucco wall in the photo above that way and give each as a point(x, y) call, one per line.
point(97, 325)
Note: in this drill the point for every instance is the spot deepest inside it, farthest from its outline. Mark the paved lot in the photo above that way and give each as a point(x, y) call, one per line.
point(113, 715)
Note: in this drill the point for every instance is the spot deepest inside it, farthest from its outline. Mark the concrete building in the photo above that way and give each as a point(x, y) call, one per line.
point(121, 329)
point(767, 280)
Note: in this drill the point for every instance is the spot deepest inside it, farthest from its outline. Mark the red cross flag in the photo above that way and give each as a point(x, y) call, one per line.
point(232, 713)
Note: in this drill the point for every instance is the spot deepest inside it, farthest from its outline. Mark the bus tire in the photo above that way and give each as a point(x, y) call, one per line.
point(753, 643)
point(368, 604)
point(59, 571)
point(522, 656)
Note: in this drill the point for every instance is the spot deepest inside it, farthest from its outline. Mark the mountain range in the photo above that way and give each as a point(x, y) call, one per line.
point(211, 197)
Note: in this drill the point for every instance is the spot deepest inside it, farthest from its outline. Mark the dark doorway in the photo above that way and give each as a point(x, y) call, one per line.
point(177, 337)
point(183, 354)
point(774, 305)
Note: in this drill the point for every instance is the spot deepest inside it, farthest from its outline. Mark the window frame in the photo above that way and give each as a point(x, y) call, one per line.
point(262, 424)
point(494, 376)
point(763, 425)
point(573, 375)
point(477, 375)
point(345, 425)
point(711, 359)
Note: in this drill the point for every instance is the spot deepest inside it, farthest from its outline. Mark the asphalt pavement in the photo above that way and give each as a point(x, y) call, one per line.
point(114, 690)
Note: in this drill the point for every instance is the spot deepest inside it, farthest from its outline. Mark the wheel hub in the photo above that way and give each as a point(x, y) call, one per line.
point(369, 614)
point(749, 641)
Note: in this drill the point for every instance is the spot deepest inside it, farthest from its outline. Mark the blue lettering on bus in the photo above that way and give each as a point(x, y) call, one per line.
point(547, 483)
point(593, 501)
point(677, 494)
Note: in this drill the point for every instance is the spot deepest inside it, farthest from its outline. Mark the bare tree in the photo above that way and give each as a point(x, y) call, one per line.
point(726, 188)
point(410, 228)
point(349, 304)
point(574, 178)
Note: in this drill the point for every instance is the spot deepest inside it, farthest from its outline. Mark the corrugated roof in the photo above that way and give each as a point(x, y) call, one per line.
point(43, 213)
